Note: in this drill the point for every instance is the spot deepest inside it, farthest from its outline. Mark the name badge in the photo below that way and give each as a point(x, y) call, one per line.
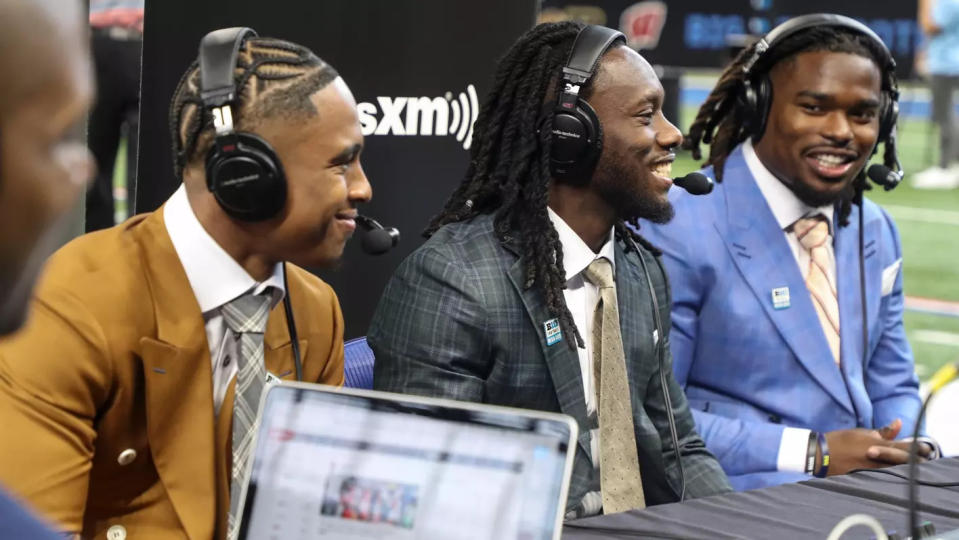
point(780, 297)
point(553, 332)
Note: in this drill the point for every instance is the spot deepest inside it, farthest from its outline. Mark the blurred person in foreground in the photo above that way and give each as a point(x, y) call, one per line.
point(44, 165)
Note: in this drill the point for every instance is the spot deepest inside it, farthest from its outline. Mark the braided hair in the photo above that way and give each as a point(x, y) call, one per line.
point(721, 121)
point(274, 80)
point(509, 172)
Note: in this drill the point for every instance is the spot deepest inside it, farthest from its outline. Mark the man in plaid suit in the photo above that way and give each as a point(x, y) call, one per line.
point(497, 307)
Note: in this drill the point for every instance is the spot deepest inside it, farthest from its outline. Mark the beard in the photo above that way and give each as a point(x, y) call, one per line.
point(816, 199)
point(623, 186)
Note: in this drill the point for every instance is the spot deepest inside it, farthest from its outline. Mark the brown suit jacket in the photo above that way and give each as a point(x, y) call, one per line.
point(115, 358)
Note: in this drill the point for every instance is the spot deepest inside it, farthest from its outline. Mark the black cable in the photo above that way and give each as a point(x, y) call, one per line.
point(926, 483)
point(291, 328)
point(913, 487)
point(660, 352)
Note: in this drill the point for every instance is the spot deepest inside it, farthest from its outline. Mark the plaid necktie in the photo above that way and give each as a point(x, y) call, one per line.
point(246, 316)
point(620, 480)
point(813, 234)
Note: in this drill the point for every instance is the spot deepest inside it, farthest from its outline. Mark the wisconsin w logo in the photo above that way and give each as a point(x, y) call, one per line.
point(422, 116)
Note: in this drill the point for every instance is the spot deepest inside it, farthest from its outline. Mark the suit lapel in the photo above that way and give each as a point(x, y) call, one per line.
point(759, 250)
point(635, 316)
point(178, 375)
point(850, 303)
point(562, 361)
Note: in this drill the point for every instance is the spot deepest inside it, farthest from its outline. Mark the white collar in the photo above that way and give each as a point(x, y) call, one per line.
point(576, 254)
point(786, 206)
point(215, 277)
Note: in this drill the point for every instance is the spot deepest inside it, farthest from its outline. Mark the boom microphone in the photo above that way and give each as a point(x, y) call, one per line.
point(378, 239)
point(884, 176)
point(695, 183)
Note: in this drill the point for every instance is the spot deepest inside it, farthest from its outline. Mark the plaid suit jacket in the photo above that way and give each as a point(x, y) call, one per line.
point(456, 322)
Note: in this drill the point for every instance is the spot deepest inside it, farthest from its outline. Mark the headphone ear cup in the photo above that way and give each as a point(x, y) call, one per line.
point(761, 91)
point(247, 180)
point(576, 143)
point(888, 116)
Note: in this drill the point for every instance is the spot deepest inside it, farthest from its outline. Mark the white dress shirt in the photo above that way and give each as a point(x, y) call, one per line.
point(216, 279)
point(581, 298)
point(787, 208)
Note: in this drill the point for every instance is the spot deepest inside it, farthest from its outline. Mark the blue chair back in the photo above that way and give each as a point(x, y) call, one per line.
point(358, 363)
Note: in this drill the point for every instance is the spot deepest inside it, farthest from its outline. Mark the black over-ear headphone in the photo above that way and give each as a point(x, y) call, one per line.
point(242, 170)
point(577, 136)
point(756, 95)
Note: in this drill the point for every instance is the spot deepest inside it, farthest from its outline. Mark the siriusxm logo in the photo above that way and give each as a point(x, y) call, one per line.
point(422, 116)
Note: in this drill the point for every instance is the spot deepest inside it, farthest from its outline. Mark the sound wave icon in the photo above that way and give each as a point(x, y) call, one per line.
point(464, 111)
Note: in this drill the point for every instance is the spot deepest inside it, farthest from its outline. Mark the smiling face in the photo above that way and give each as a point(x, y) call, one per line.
point(823, 123)
point(633, 173)
point(321, 159)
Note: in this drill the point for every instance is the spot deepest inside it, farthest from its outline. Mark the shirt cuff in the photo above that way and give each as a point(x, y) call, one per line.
point(792, 450)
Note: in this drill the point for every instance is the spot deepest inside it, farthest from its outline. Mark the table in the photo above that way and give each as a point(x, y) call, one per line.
point(805, 510)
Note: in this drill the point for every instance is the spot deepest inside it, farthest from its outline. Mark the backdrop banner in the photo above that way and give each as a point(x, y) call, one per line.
point(698, 33)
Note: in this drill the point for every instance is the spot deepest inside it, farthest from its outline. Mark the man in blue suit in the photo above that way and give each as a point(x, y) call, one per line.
point(767, 334)
point(44, 164)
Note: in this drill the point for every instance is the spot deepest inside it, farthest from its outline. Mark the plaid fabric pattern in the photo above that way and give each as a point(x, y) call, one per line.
point(456, 321)
point(246, 317)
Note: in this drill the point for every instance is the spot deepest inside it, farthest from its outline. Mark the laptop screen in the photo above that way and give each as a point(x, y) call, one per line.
point(337, 463)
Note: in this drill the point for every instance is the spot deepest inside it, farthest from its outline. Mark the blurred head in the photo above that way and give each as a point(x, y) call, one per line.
point(827, 83)
point(509, 171)
point(301, 107)
point(44, 162)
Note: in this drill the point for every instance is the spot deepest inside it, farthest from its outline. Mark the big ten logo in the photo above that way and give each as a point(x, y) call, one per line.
point(643, 23)
point(426, 116)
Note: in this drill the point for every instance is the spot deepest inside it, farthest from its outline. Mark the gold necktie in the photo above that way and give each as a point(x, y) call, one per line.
point(813, 234)
point(620, 480)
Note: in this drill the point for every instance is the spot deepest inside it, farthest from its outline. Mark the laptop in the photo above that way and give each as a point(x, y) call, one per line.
point(357, 464)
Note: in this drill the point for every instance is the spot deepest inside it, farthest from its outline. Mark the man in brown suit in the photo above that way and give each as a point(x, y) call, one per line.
point(117, 398)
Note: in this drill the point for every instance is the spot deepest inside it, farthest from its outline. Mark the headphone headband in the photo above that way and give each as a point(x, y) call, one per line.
point(798, 24)
point(590, 44)
point(242, 170)
point(218, 51)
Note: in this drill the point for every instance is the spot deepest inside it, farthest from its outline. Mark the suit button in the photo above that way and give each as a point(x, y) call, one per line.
point(117, 532)
point(126, 457)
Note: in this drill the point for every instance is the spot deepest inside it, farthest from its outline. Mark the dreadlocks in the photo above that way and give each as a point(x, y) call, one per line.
point(509, 171)
point(721, 124)
point(274, 79)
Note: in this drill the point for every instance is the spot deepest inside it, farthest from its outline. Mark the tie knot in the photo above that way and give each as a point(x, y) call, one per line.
point(600, 273)
point(248, 313)
point(812, 232)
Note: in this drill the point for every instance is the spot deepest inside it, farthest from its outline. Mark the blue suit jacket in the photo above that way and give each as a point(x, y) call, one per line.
point(16, 522)
point(750, 369)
